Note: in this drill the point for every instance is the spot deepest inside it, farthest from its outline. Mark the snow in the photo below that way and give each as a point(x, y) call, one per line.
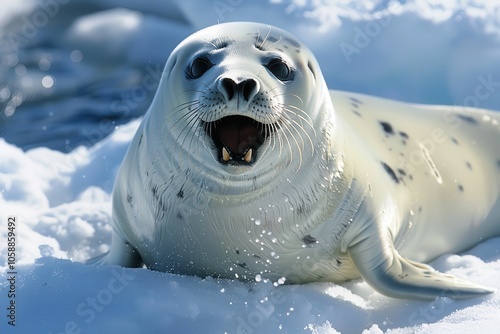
point(62, 139)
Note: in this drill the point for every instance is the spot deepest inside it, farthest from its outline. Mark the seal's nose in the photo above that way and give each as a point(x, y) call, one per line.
point(246, 88)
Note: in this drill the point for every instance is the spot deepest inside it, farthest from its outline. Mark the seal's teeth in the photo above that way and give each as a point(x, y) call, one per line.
point(248, 156)
point(225, 155)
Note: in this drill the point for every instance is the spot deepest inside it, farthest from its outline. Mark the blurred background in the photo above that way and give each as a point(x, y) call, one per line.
point(71, 71)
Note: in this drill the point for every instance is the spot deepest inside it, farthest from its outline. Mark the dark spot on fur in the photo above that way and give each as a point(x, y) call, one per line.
point(301, 208)
point(308, 239)
point(154, 190)
point(257, 257)
point(468, 164)
point(455, 141)
point(242, 265)
point(357, 113)
point(179, 215)
point(354, 105)
point(237, 251)
point(404, 135)
point(467, 119)
point(355, 100)
point(402, 172)
point(338, 262)
point(461, 188)
point(140, 140)
point(390, 171)
point(387, 127)
point(180, 194)
point(293, 42)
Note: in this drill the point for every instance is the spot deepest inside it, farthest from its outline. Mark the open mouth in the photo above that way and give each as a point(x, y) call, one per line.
point(237, 138)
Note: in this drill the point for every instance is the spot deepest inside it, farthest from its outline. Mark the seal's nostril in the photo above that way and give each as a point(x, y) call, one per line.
point(229, 87)
point(247, 88)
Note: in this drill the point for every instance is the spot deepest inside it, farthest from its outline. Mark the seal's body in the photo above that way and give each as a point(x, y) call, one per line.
point(246, 165)
point(442, 166)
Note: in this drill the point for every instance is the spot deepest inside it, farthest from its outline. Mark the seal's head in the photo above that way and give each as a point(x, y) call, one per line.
point(237, 95)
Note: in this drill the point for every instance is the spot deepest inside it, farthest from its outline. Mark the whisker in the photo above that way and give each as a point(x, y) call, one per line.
point(276, 87)
point(288, 127)
point(278, 137)
point(308, 138)
point(268, 134)
point(307, 120)
point(287, 141)
point(292, 95)
point(302, 119)
point(185, 105)
point(177, 109)
point(194, 90)
point(189, 120)
point(261, 46)
point(196, 126)
point(292, 124)
point(260, 72)
point(190, 111)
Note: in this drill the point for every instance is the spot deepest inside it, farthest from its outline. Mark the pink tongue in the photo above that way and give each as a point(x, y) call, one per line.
point(237, 136)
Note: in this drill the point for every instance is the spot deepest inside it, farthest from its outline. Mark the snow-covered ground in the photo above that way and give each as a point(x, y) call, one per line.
point(73, 72)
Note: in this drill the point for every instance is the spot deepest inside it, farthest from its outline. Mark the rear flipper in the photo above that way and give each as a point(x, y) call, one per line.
point(383, 268)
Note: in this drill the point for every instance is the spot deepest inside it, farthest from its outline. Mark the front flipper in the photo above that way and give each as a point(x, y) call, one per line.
point(386, 271)
point(121, 254)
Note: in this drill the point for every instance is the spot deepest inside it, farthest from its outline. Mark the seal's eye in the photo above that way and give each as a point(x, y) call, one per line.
point(199, 66)
point(280, 69)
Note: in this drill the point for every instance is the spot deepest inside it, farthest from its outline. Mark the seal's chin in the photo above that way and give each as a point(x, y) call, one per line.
point(237, 139)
